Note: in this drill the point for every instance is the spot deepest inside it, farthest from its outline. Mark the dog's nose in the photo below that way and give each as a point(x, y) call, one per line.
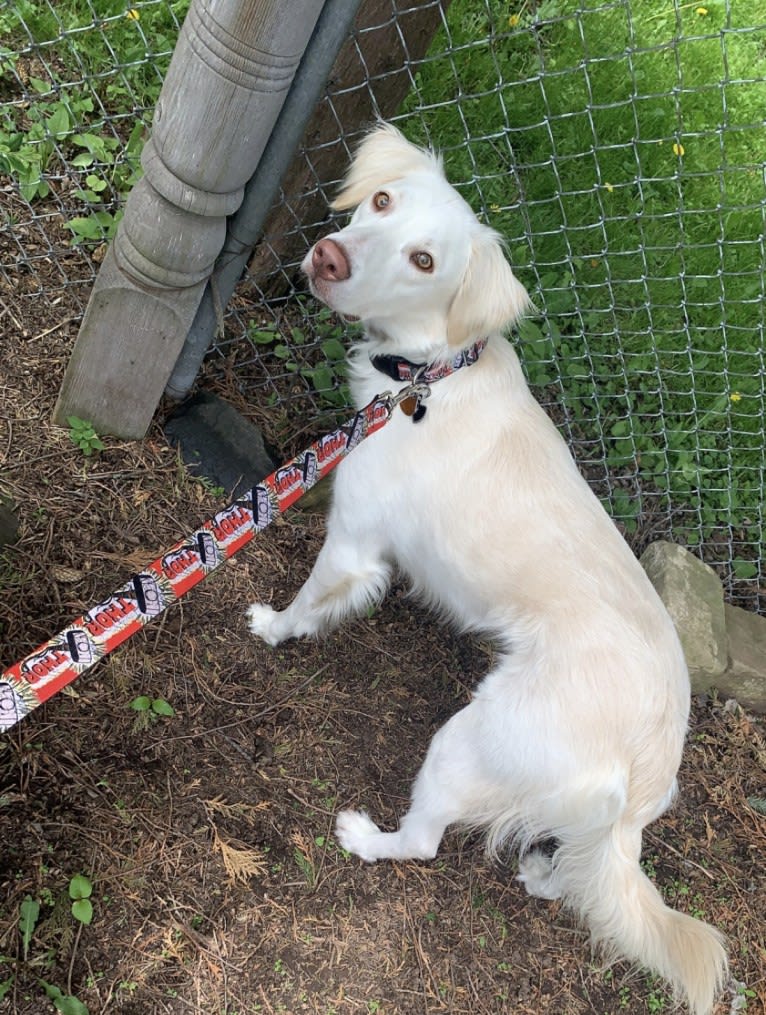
point(330, 262)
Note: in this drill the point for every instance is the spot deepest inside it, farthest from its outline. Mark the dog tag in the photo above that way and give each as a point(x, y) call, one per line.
point(413, 407)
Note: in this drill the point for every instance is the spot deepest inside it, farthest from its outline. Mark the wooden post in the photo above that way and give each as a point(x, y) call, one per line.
point(232, 67)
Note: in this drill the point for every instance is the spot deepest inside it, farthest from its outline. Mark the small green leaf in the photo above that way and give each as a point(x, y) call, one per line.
point(98, 146)
point(322, 378)
point(745, 569)
point(262, 336)
point(80, 887)
point(82, 910)
point(162, 707)
point(333, 349)
point(58, 122)
point(96, 182)
point(29, 912)
point(86, 228)
point(5, 986)
point(136, 139)
point(141, 704)
point(70, 1006)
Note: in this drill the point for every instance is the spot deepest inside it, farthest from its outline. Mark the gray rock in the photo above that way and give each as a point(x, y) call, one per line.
point(217, 442)
point(693, 596)
point(745, 676)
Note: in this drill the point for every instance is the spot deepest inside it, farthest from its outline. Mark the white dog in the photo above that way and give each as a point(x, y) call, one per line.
point(577, 732)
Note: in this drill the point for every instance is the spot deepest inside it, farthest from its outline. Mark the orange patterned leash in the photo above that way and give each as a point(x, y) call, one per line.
point(41, 674)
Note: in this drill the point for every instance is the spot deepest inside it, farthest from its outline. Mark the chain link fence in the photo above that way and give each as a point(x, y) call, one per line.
point(617, 145)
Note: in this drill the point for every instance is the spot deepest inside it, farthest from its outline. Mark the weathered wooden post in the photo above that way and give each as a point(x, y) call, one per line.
point(232, 67)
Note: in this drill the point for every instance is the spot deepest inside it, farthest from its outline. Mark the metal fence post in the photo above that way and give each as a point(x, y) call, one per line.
point(230, 72)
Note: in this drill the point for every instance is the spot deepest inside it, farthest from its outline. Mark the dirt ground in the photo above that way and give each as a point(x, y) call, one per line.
point(207, 835)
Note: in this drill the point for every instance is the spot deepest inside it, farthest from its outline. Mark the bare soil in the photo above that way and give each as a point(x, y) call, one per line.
point(207, 835)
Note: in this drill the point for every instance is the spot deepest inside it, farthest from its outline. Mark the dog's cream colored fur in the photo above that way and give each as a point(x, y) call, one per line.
point(577, 732)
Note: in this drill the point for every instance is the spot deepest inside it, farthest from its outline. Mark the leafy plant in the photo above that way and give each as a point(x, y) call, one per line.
point(67, 1004)
point(80, 891)
point(82, 434)
point(5, 985)
point(744, 994)
point(150, 710)
point(55, 122)
point(320, 357)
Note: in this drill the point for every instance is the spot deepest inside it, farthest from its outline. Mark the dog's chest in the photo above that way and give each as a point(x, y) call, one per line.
point(401, 491)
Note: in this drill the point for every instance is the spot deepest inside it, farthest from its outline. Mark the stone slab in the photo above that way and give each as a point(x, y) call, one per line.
point(693, 596)
point(217, 442)
point(745, 675)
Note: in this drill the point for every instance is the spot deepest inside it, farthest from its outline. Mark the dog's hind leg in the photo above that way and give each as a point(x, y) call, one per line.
point(537, 874)
point(448, 789)
point(347, 578)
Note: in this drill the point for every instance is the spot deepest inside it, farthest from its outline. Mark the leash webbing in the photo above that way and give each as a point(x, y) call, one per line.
point(56, 663)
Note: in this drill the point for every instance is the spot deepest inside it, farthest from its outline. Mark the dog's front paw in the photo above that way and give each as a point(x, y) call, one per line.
point(262, 621)
point(356, 832)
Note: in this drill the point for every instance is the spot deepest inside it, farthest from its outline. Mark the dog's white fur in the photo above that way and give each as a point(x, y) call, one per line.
point(577, 732)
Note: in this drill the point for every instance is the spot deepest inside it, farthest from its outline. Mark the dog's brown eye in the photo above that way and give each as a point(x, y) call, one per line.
point(381, 200)
point(423, 260)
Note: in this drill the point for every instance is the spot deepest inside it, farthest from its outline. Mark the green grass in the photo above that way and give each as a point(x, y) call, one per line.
point(628, 182)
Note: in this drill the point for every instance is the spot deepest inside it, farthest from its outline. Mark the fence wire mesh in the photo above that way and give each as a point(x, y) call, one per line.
point(618, 146)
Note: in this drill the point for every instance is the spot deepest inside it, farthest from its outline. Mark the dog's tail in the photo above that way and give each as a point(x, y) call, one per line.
point(601, 879)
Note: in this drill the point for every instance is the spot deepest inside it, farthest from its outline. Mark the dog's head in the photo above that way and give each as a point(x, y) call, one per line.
point(414, 261)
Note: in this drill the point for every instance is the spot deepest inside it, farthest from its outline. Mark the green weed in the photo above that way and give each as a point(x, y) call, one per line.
point(29, 913)
point(97, 127)
point(82, 434)
point(150, 710)
point(747, 994)
point(66, 1004)
point(79, 890)
point(319, 357)
point(6, 984)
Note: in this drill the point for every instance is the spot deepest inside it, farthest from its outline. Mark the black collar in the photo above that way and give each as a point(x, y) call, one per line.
point(400, 369)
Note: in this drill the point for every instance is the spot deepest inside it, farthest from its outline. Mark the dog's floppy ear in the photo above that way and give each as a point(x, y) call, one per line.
point(490, 297)
point(383, 156)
